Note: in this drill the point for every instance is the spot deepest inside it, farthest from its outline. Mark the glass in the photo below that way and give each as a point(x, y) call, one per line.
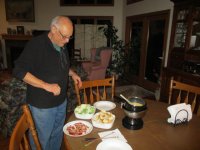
point(104, 1)
point(181, 28)
point(154, 50)
point(87, 1)
point(135, 48)
point(180, 34)
point(195, 37)
point(182, 14)
point(65, 2)
point(86, 21)
point(103, 22)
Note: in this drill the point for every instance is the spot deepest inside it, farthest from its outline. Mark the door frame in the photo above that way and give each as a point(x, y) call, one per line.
point(146, 18)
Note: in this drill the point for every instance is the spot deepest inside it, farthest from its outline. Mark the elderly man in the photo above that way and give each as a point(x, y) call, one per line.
point(44, 66)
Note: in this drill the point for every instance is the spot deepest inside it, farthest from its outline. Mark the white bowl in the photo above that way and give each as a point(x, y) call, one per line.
point(99, 124)
point(86, 114)
point(104, 105)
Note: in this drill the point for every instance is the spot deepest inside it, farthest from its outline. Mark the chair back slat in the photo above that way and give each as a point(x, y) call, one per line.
point(186, 93)
point(179, 97)
point(98, 93)
point(26, 144)
point(85, 97)
point(91, 95)
point(97, 89)
point(186, 98)
point(21, 147)
point(31, 125)
point(76, 54)
point(194, 103)
point(104, 92)
point(19, 137)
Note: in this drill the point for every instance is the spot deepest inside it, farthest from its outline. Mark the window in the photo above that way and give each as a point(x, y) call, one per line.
point(87, 20)
point(87, 2)
point(132, 1)
point(100, 20)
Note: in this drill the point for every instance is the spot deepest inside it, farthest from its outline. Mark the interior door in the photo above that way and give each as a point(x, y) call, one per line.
point(146, 36)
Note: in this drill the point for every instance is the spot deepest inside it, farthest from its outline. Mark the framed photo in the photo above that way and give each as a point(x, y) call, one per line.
point(20, 30)
point(20, 10)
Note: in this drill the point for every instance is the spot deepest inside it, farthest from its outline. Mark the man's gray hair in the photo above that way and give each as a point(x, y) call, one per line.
point(55, 21)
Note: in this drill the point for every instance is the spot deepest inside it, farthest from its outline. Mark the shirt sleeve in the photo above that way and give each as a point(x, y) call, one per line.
point(25, 61)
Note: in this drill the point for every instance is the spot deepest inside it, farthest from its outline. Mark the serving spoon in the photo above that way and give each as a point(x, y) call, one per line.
point(122, 96)
point(131, 103)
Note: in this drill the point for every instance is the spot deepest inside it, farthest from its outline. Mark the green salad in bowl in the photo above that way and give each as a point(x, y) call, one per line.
point(84, 111)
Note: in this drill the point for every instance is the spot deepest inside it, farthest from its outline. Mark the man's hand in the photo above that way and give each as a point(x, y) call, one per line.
point(76, 78)
point(53, 88)
point(34, 81)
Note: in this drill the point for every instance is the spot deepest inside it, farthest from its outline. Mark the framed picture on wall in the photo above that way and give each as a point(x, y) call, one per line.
point(20, 10)
point(20, 30)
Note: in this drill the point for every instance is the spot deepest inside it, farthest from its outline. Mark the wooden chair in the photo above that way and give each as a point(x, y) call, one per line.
point(19, 138)
point(76, 54)
point(95, 90)
point(186, 93)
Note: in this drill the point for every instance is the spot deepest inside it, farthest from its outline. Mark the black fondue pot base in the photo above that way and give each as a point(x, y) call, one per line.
point(133, 124)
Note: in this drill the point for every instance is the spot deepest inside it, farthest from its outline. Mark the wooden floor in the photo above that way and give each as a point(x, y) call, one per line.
point(4, 142)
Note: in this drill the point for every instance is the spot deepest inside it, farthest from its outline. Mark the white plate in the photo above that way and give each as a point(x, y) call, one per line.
point(72, 123)
point(104, 105)
point(113, 144)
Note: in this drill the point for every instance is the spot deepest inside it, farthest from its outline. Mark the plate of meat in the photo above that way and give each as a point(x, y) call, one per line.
point(77, 128)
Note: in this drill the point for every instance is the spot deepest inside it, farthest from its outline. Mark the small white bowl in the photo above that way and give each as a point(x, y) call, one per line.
point(102, 125)
point(84, 116)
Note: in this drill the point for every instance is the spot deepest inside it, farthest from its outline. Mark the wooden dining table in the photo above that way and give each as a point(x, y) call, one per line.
point(156, 134)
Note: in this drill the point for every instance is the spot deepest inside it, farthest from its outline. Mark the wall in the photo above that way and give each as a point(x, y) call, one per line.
point(120, 10)
point(43, 15)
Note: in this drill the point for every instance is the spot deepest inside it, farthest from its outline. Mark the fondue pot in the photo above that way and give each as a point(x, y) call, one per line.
point(135, 110)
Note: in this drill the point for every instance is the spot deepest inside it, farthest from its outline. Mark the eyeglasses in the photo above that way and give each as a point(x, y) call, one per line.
point(63, 36)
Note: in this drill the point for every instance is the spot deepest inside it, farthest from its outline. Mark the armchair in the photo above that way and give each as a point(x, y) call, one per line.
point(88, 64)
point(96, 69)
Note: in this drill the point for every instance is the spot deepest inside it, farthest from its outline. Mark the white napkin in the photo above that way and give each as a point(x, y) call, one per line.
point(115, 134)
point(174, 109)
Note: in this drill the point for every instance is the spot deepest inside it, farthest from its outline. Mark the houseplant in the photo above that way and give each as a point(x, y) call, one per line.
point(116, 66)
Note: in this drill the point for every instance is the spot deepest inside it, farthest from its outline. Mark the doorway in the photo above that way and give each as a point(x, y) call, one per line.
point(146, 36)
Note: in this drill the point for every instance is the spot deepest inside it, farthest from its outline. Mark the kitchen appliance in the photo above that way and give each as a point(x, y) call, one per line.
point(134, 111)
